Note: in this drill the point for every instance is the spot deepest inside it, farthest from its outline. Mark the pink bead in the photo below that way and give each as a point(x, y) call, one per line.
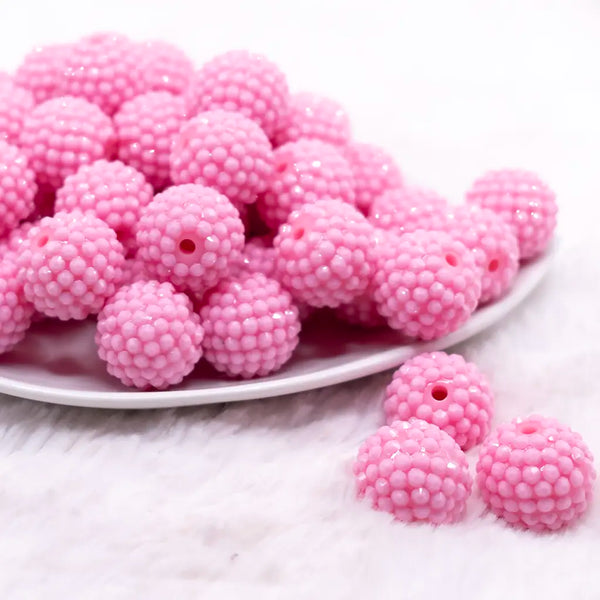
point(64, 133)
point(524, 201)
point(225, 151)
point(426, 283)
point(305, 172)
point(71, 263)
point(112, 191)
point(190, 235)
point(312, 116)
point(445, 390)
point(14, 241)
point(415, 471)
point(251, 326)
point(536, 473)
point(134, 270)
point(244, 82)
point(324, 253)
point(258, 256)
point(163, 66)
point(15, 103)
point(149, 335)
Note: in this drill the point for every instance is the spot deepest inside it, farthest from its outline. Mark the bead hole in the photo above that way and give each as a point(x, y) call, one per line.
point(528, 428)
point(494, 264)
point(439, 393)
point(298, 233)
point(452, 259)
point(187, 246)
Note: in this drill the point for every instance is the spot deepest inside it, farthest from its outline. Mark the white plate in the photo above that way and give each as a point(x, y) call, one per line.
point(57, 362)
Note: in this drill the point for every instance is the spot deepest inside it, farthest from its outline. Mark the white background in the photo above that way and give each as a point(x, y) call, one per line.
point(256, 500)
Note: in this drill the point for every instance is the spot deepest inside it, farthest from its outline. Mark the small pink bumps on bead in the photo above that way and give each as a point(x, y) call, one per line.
point(113, 191)
point(163, 66)
point(536, 473)
point(62, 134)
point(149, 335)
point(190, 235)
point(374, 172)
point(258, 256)
point(415, 471)
point(445, 390)
point(426, 283)
point(316, 117)
point(225, 151)
point(15, 240)
point(304, 172)
point(71, 263)
point(134, 270)
point(251, 326)
point(15, 103)
point(524, 201)
point(244, 82)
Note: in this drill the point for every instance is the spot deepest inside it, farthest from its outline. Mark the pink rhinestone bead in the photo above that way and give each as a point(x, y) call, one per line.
point(415, 471)
point(149, 335)
point(225, 151)
point(251, 326)
point(305, 172)
point(190, 235)
point(316, 117)
point(64, 133)
point(524, 201)
point(426, 283)
point(244, 82)
point(112, 191)
point(163, 66)
point(445, 390)
point(15, 103)
point(536, 473)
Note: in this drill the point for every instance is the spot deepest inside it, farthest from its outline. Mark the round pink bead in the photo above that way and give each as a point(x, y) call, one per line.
point(15, 103)
point(304, 172)
point(134, 270)
point(64, 133)
point(415, 471)
point(445, 390)
point(14, 241)
point(524, 201)
point(149, 335)
point(426, 283)
point(163, 66)
point(190, 235)
point(536, 473)
point(225, 151)
point(258, 256)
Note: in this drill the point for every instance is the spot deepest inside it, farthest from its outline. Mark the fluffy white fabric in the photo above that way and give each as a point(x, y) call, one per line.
point(256, 500)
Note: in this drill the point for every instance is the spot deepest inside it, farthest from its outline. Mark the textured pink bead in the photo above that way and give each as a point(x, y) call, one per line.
point(258, 256)
point(15, 103)
point(536, 473)
point(163, 66)
point(146, 128)
point(17, 187)
point(71, 263)
point(149, 335)
point(374, 171)
point(445, 390)
point(304, 172)
point(225, 151)
point(190, 235)
point(324, 253)
point(134, 269)
point(251, 326)
point(113, 191)
point(14, 241)
point(244, 82)
point(415, 471)
point(316, 117)
point(64, 133)
point(524, 201)
point(426, 283)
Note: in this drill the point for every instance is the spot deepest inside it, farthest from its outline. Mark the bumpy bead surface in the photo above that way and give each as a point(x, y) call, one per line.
point(258, 256)
point(524, 201)
point(14, 241)
point(304, 172)
point(426, 283)
point(190, 235)
point(15, 103)
point(225, 151)
point(134, 269)
point(415, 471)
point(149, 335)
point(244, 82)
point(251, 326)
point(536, 473)
point(71, 263)
point(163, 66)
point(64, 133)
point(445, 390)
point(316, 117)
point(113, 191)
point(324, 253)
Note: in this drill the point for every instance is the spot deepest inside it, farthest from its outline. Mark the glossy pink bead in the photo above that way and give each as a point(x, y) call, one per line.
point(415, 471)
point(163, 66)
point(225, 151)
point(149, 335)
point(15, 103)
point(258, 256)
point(443, 389)
point(536, 473)
point(524, 201)
point(14, 241)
